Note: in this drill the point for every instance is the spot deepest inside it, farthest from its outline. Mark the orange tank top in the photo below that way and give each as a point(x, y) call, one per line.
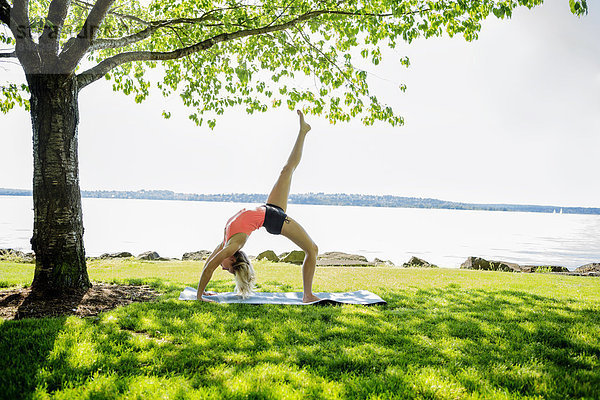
point(245, 221)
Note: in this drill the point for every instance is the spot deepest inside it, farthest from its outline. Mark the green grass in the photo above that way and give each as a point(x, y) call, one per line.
point(15, 274)
point(445, 334)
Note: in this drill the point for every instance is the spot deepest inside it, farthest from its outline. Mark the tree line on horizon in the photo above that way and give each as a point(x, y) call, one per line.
point(330, 199)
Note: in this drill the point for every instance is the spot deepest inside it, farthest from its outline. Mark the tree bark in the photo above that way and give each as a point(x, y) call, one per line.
point(58, 222)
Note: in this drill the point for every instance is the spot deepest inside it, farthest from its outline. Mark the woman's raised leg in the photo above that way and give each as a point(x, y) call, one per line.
point(280, 192)
point(298, 235)
point(291, 229)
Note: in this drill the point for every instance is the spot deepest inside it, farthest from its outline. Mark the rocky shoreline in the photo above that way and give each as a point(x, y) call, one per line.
point(336, 259)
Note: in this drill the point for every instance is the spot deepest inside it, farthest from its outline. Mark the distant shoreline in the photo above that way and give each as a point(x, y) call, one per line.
point(340, 199)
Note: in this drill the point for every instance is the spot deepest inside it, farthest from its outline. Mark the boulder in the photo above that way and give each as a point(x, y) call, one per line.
point(196, 255)
point(5, 252)
point(416, 262)
point(379, 261)
point(339, 259)
point(28, 258)
point(556, 268)
point(16, 256)
point(294, 257)
point(123, 254)
point(268, 255)
point(483, 264)
point(149, 255)
point(550, 268)
point(9, 254)
point(592, 267)
point(475, 263)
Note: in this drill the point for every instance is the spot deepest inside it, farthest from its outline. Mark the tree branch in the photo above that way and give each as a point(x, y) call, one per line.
point(19, 17)
point(76, 47)
point(153, 26)
point(84, 4)
point(25, 48)
point(100, 44)
point(95, 73)
point(57, 12)
point(12, 54)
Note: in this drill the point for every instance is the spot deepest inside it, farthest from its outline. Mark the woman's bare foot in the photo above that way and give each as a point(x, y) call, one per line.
point(310, 298)
point(304, 127)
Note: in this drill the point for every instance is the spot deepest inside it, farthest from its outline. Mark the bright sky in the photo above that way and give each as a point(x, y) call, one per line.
point(513, 117)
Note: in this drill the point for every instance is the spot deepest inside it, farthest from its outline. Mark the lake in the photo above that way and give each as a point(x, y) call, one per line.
point(442, 237)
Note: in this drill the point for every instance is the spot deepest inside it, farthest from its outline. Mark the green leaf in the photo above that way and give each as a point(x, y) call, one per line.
point(578, 7)
point(308, 64)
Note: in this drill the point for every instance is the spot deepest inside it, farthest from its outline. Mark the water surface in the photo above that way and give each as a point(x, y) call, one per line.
point(442, 237)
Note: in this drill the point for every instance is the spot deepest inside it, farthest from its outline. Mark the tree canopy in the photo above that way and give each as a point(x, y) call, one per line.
point(217, 54)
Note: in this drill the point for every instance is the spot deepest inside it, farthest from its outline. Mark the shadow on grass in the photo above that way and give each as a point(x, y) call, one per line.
point(436, 343)
point(24, 349)
point(26, 343)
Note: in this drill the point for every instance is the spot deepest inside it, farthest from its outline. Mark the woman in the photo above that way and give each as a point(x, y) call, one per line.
point(272, 216)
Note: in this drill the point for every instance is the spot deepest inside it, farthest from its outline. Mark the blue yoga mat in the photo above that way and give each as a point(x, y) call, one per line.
point(363, 297)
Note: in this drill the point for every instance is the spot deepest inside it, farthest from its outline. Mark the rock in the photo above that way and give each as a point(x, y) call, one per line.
point(8, 254)
point(196, 255)
point(339, 259)
point(475, 263)
point(28, 258)
point(123, 254)
point(268, 255)
point(388, 263)
point(572, 273)
point(338, 255)
point(505, 266)
point(416, 262)
point(149, 255)
point(592, 267)
point(294, 257)
point(16, 256)
point(550, 268)
point(483, 264)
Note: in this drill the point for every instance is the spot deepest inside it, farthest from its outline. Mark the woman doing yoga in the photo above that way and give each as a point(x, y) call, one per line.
point(272, 216)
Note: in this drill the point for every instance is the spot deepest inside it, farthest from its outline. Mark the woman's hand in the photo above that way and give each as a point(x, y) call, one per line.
point(206, 300)
point(205, 293)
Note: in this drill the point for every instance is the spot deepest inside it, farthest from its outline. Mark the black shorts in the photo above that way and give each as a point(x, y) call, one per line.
point(274, 219)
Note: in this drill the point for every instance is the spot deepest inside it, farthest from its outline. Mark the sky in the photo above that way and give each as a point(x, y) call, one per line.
point(513, 117)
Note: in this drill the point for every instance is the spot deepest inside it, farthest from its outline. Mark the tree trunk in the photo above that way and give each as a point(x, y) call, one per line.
point(58, 223)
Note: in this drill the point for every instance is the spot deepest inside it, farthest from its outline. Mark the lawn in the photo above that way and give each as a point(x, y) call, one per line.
point(445, 334)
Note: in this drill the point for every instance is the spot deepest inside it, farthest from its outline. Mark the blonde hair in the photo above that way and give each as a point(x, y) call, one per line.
point(243, 274)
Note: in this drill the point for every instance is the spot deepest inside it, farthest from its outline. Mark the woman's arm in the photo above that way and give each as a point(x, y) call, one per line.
point(210, 257)
point(214, 253)
point(212, 263)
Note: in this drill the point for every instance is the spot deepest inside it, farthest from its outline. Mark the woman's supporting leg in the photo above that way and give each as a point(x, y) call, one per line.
point(280, 192)
point(293, 230)
point(298, 235)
